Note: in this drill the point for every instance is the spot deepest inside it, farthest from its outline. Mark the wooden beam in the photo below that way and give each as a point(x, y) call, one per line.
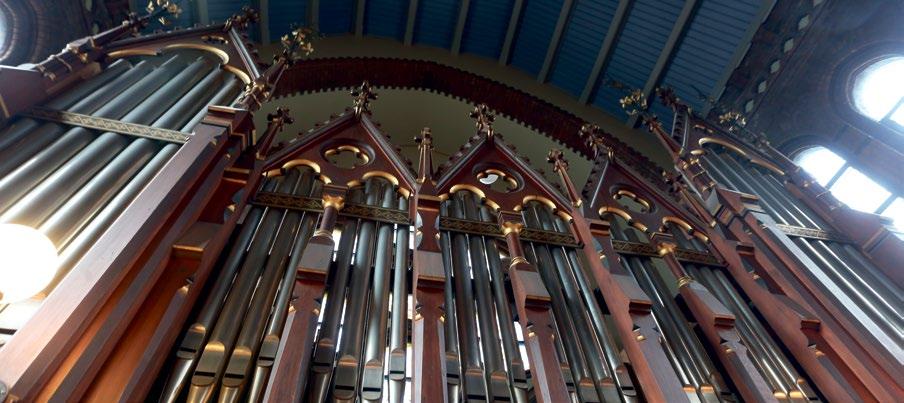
point(409, 26)
point(460, 26)
point(203, 12)
point(555, 40)
point(615, 28)
point(264, 23)
point(314, 15)
point(359, 18)
point(740, 52)
point(510, 32)
point(668, 50)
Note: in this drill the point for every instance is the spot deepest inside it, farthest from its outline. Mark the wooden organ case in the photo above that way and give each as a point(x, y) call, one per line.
point(202, 262)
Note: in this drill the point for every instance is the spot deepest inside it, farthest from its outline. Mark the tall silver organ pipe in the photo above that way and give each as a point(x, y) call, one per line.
point(686, 351)
point(71, 182)
point(844, 272)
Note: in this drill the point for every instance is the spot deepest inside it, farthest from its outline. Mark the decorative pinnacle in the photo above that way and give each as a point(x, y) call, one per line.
point(668, 97)
point(484, 118)
point(363, 95)
point(242, 19)
point(425, 146)
point(280, 118)
point(634, 103)
point(296, 45)
point(557, 158)
point(159, 8)
point(734, 121)
point(593, 138)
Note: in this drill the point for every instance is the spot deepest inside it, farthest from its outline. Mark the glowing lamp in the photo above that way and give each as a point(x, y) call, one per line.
point(28, 262)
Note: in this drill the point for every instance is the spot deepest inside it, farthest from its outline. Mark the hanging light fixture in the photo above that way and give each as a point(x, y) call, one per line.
point(28, 262)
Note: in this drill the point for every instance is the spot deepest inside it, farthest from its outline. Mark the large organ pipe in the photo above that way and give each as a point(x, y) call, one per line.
point(602, 377)
point(65, 222)
point(472, 380)
point(496, 378)
point(617, 368)
point(21, 180)
point(46, 196)
point(252, 329)
point(516, 371)
point(328, 336)
point(375, 342)
point(450, 334)
point(567, 327)
point(399, 321)
point(22, 140)
point(212, 363)
point(346, 378)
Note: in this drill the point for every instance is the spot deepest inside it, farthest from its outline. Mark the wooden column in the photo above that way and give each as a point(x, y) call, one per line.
point(533, 303)
point(717, 323)
point(289, 376)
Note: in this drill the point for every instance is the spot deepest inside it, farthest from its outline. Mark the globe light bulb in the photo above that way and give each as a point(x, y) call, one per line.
point(28, 262)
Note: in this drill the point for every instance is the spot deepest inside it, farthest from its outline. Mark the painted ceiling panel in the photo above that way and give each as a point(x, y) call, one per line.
point(219, 11)
point(538, 20)
point(286, 14)
point(436, 22)
point(645, 32)
point(486, 27)
point(708, 47)
point(337, 17)
point(581, 41)
point(386, 18)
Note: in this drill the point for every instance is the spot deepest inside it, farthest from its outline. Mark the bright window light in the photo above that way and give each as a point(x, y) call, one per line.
point(859, 191)
point(29, 262)
point(896, 212)
point(879, 88)
point(820, 162)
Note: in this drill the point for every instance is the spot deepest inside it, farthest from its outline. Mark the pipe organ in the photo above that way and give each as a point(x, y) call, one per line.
point(201, 260)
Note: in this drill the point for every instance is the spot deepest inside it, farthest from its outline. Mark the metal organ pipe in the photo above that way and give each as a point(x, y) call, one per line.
point(328, 336)
point(399, 319)
point(347, 376)
point(450, 334)
point(472, 376)
point(516, 373)
point(21, 180)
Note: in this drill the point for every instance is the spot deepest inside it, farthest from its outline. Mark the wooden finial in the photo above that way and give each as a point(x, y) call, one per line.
point(425, 148)
point(484, 118)
point(363, 95)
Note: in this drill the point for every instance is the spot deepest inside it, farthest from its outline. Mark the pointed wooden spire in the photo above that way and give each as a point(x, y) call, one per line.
point(425, 149)
point(593, 137)
point(363, 95)
point(484, 118)
point(560, 166)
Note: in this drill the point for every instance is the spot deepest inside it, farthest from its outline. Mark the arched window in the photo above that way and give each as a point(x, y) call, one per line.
point(4, 28)
point(878, 91)
point(849, 185)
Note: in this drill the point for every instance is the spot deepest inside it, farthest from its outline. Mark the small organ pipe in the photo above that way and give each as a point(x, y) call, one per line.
point(375, 342)
point(249, 337)
point(212, 362)
point(516, 372)
point(346, 378)
point(399, 320)
point(472, 377)
point(450, 334)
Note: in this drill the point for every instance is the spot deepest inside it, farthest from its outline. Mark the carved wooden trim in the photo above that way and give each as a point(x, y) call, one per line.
point(303, 203)
point(812, 233)
point(107, 125)
point(683, 255)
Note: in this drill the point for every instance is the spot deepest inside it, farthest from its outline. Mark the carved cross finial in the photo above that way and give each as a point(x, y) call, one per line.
point(557, 158)
point(484, 118)
point(593, 138)
point(242, 19)
point(425, 148)
point(280, 118)
point(363, 95)
point(160, 8)
point(668, 97)
point(634, 103)
point(296, 45)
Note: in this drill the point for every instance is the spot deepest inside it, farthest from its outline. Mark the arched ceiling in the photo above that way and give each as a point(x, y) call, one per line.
point(576, 46)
